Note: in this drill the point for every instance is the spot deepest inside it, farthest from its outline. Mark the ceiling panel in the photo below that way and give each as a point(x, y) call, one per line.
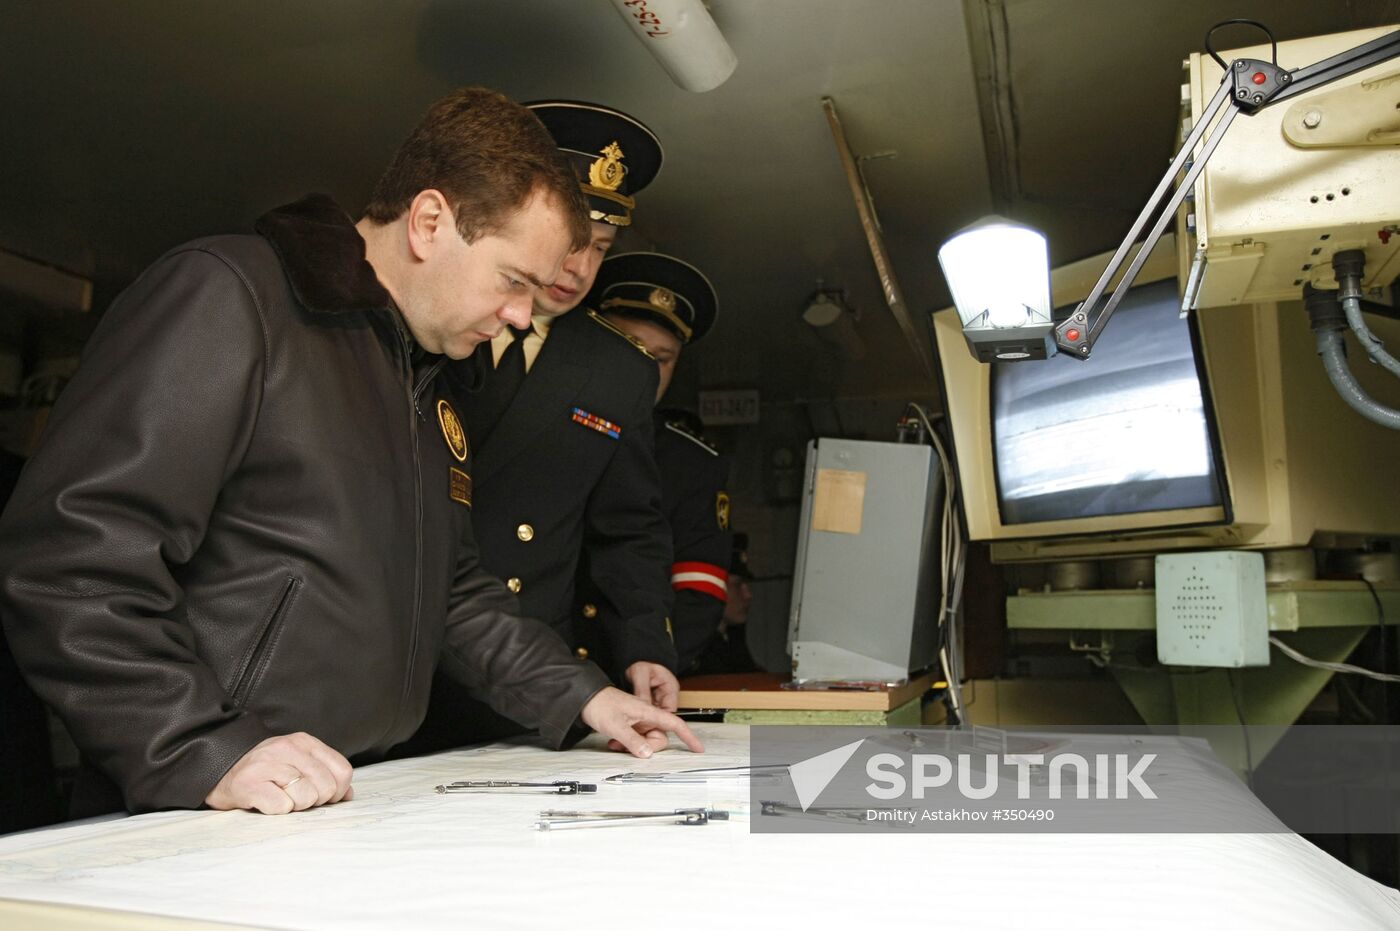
point(129, 127)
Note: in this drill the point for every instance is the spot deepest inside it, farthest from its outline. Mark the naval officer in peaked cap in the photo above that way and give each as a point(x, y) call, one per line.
point(669, 305)
point(562, 433)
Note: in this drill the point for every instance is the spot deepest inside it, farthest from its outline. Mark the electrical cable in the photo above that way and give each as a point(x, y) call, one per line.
point(1332, 350)
point(1349, 266)
point(1294, 655)
point(948, 516)
point(950, 594)
point(1244, 731)
point(1358, 707)
point(1385, 648)
point(1370, 342)
point(951, 572)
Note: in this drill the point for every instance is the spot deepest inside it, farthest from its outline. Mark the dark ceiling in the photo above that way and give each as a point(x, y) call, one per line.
point(129, 127)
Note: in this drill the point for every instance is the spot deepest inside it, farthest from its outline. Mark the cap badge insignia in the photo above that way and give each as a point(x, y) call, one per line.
point(607, 172)
point(662, 299)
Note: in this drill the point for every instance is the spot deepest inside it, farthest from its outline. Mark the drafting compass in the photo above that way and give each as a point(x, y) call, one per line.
point(509, 786)
point(767, 773)
point(569, 820)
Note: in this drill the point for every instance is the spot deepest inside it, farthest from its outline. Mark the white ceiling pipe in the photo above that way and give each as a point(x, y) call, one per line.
point(681, 36)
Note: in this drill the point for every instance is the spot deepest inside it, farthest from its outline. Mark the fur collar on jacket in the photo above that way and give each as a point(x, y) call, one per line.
point(324, 256)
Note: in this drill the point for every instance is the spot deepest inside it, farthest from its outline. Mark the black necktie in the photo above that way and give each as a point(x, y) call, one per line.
point(485, 410)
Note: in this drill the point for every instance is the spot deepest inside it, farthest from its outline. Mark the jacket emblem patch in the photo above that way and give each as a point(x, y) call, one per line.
point(593, 421)
point(459, 486)
point(452, 430)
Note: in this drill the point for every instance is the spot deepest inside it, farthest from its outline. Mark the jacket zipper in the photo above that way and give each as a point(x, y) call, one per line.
point(422, 384)
point(415, 393)
point(261, 653)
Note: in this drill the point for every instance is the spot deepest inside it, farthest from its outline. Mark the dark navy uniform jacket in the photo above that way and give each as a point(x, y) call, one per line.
point(696, 505)
point(569, 467)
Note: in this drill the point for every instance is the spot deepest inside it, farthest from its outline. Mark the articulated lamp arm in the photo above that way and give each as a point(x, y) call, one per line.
point(1249, 86)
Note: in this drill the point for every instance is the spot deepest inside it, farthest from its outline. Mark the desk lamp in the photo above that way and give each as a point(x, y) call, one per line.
point(991, 265)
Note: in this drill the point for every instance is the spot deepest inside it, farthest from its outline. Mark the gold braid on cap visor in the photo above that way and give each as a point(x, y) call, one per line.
point(613, 218)
point(659, 311)
point(623, 219)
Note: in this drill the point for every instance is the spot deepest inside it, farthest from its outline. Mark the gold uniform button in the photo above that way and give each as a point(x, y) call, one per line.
point(513, 584)
point(581, 653)
point(590, 611)
point(525, 532)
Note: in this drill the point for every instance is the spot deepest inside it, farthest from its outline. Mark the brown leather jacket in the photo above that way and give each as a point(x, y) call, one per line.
point(245, 520)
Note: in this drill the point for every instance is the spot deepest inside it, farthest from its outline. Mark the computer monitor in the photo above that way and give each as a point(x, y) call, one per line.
point(1272, 457)
point(1127, 431)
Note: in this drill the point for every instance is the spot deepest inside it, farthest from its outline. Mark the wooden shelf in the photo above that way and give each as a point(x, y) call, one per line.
point(763, 690)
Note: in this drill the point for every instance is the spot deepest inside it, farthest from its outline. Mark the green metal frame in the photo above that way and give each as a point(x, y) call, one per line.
point(1321, 619)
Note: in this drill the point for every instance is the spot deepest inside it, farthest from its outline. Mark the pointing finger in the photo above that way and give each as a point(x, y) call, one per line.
point(675, 725)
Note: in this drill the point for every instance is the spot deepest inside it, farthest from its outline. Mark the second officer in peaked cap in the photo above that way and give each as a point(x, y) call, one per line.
point(614, 155)
point(668, 304)
point(562, 434)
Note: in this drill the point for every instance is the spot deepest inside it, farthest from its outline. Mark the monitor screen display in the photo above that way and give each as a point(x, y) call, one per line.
point(1125, 431)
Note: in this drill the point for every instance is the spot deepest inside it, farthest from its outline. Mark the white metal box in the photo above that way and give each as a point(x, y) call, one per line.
point(1212, 609)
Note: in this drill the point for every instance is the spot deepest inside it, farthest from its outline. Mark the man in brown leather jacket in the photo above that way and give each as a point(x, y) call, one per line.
point(245, 542)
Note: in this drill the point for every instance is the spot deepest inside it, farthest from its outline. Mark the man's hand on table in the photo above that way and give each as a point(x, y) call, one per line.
point(634, 725)
point(288, 773)
point(654, 684)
